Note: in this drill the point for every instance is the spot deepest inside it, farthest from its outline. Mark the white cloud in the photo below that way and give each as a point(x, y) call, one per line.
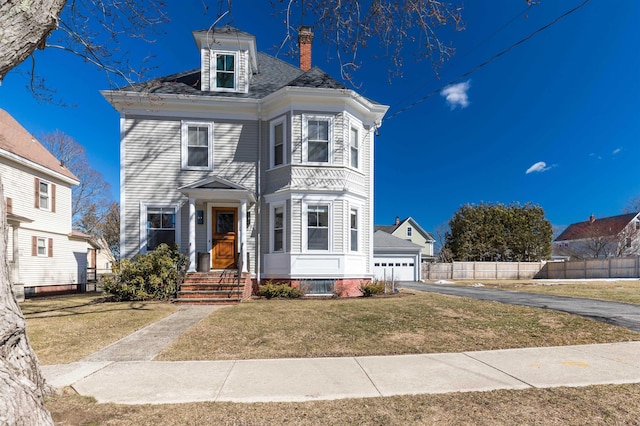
point(456, 94)
point(539, 167)
point(617, 151)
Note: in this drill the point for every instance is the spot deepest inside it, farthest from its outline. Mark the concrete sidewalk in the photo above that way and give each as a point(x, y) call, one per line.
point(149, 382)
point(124, 372)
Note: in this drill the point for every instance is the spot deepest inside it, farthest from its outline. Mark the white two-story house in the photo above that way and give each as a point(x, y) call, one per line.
point(44, 254)
point(251, 163)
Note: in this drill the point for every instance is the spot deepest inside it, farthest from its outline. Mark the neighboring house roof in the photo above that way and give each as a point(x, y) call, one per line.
point(15, 140)
point(383, 241)
point(390, 229)
point(607, 226)
point(77, 235)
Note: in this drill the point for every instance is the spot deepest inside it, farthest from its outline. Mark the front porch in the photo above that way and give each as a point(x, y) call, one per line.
point(218, 225)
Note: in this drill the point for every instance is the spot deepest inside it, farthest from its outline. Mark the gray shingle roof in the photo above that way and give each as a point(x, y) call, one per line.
point(273, 74)
point(384, 241)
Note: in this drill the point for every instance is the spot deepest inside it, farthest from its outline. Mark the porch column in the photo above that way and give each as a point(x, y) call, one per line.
point(243, 234)
point(192, 234)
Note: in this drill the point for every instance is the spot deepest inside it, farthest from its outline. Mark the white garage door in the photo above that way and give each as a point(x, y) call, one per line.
point(400, 268)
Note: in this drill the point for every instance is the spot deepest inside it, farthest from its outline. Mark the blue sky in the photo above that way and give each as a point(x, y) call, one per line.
point(555, 121)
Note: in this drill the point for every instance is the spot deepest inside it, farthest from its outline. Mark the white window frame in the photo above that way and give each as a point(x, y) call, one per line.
point(184, 134)
point(409, 231)
point(305, 212)
point(305, 137)
point(273, 227)
point(214, 71)
point(44, 247)
point(144, 206)
point(272, 142)
point(46, 196)
point(356, 211)
point(358, 132)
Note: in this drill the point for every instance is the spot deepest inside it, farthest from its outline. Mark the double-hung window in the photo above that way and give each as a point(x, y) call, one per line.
point(409, 231)
point(278, 229)
point(161, 226)
point(44, 196)
point(318, 227)
point(353, 223)
point(225, 71)
point(278, 137)
point(354, 147)
point(318, 138)
point(42, 246)
point(197, 145)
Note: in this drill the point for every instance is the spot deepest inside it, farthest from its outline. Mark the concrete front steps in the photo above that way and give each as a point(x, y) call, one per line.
point(212, 288)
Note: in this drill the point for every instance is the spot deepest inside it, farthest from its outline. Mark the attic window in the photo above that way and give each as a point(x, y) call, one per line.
point(225, 71)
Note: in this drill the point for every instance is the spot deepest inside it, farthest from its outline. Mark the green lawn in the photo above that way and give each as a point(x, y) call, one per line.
point(67, 328)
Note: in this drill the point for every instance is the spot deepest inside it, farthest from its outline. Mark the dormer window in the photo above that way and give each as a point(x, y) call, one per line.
point(224, 71)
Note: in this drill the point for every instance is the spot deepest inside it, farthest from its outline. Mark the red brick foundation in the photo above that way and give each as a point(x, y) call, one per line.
point(349, 287)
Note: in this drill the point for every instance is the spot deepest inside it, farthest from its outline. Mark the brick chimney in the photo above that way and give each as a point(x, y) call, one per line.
point(397, 220)
point(305, 37)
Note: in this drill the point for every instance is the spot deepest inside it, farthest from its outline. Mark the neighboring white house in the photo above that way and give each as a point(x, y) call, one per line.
point(396, 259)
point(409, 230)
point(251, 162)
point(615, 236)
point(43, 253)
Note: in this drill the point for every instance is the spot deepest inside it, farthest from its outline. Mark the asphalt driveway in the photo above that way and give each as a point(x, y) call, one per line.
point(621, 314)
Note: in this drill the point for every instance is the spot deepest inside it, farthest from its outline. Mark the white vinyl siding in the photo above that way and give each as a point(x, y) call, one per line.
point(67, 263)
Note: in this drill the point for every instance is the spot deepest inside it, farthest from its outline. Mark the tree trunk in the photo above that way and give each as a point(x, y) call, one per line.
point(24, 27)
point(22, 386)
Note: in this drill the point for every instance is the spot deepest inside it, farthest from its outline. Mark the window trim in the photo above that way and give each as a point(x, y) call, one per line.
point(272, 142)
point(356, 211)
point(213, 78)
point(409, 231)
point(44, 247)
point(184, 135)
point(51, 195)
point(272, 227)
point(305, 212)
point(305, 137)
point(144, 206)
point(357, 129)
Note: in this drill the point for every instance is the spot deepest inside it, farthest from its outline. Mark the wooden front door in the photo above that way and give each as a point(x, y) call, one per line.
point(224, 237)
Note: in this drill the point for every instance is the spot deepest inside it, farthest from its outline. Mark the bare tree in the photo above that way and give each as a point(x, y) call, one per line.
point(21, 383)
point(395, 25)
point(633, 206)
point(91, 197)
point(92, 30)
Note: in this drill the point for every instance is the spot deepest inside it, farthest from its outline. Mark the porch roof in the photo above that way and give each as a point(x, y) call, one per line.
point(216, 188)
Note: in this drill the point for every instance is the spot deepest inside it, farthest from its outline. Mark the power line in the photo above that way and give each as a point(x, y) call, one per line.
point(488, 61)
